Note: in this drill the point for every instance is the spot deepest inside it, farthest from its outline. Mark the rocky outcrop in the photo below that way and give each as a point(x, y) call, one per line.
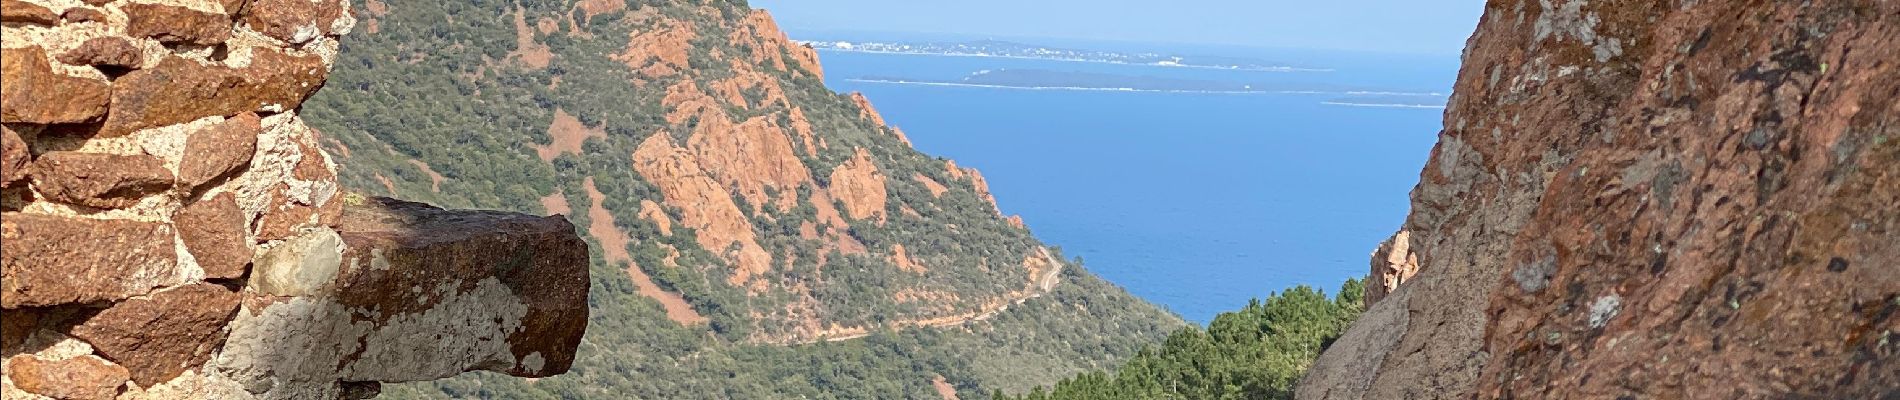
point(1392, 264)
point(169, 228)
point(860, 187)
point(1651, 200)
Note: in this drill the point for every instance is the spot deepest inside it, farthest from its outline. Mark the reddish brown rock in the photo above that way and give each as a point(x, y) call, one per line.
point(219, 150)
point(17, 11)
point(282, 215)
point(51, 260)
point(160, 336)
point(108, 51)
point(294, 21)
point(541, 260)
point(34, 93)
point(235, 8)
point(13, 157)
point(99, 180)
point(79, 378)
point(213, 230)
point(860, 186)
point(1392, 264)
point(1652, 200)
point(83, 14)
point(176, 24)
point(313, 166)
point(179, 90)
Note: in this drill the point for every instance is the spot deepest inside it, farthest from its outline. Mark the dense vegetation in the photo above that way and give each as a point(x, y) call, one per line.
point(1258, 352)
point(434, 104)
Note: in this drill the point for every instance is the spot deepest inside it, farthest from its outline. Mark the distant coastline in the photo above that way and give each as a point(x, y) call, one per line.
point(1127, 89)
point(1002, 49)
point(1256, 69)
point(1381, 105)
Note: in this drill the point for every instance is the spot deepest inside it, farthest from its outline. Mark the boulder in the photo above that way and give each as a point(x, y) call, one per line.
point(421, 293)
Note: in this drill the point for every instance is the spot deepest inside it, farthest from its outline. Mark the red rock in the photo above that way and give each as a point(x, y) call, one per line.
point(213, 230)
point(50, 260)
point(860, 186)
point(541, 259)
point(1651, 200)
point(219, 150)
point(108, 51)
point(176, 24)
point(99, 180)
point(17, 11)
point(79, 378)
point(179, 90)
point(13, 157)
point(234, 7)
point(294, 21)
point(34, 93)
point(83, 14)
point(1392, 264)
point(282, 216)
point(158, 337)
point(312, 166)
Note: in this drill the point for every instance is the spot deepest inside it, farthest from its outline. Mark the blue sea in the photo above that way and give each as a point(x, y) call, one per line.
point(1197, 202)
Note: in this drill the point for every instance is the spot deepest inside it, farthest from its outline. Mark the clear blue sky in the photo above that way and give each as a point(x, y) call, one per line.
point(1411, 26)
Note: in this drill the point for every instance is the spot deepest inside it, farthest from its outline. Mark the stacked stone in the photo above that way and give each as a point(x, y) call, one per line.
point(150, 150)
point(171, 228)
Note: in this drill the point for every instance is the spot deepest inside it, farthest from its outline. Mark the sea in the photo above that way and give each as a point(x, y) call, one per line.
point(1198, 202)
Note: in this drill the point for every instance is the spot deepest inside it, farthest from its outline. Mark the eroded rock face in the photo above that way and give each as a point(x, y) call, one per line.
point(1392, 264)
point(170, 226)
point(860, 186)
point(1649, 200)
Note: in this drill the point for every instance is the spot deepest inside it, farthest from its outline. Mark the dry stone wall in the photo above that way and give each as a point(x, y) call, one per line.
point(170, 229)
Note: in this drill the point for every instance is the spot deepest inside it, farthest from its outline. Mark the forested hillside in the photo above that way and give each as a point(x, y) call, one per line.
point(755, 235)
point(1256, 353)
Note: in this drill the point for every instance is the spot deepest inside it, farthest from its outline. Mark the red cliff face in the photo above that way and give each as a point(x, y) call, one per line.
point(1638, 199)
